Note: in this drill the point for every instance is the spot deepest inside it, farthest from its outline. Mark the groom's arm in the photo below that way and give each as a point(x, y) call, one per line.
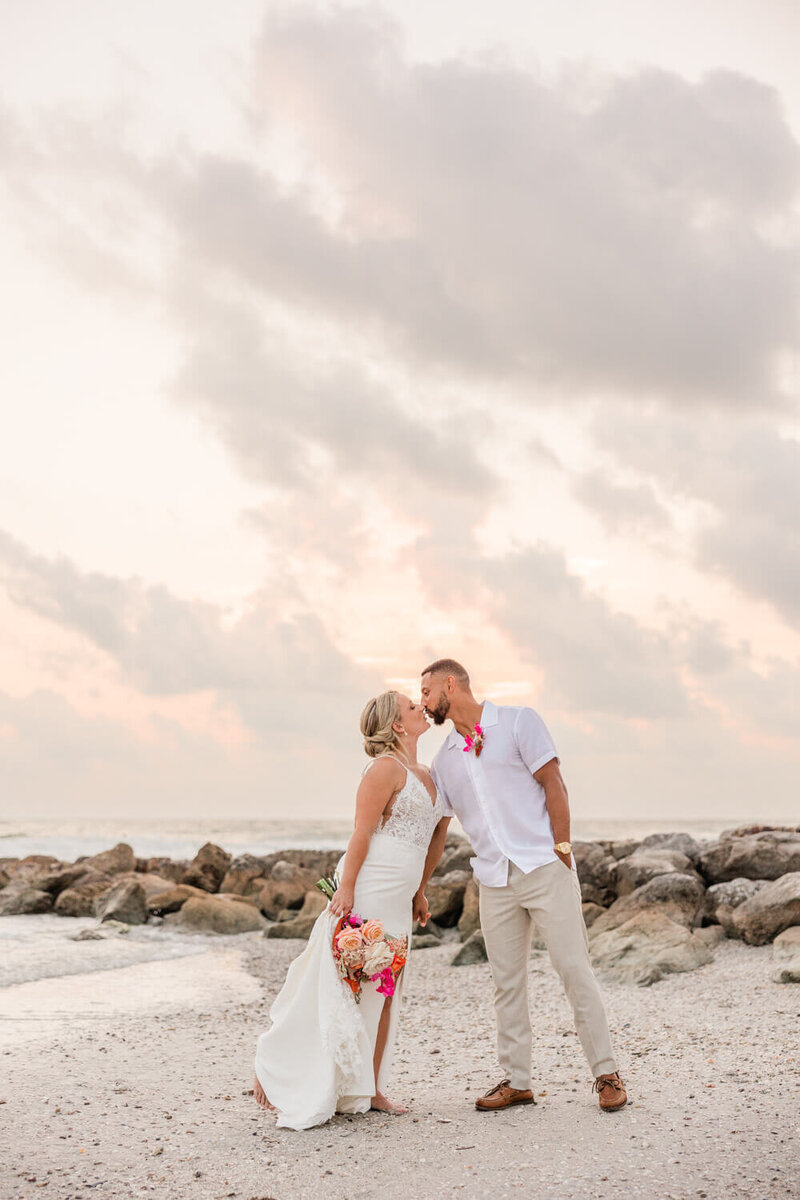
point(557, 802)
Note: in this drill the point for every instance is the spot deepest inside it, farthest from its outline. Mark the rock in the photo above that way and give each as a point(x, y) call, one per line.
point(171, 869)
point(596, 872)
point(787, 944)
point(789, 973)
point(216, 914)
point(765, 855)
point(56, 882)
point(771, 910)
point(429, 930)
point(622, 848)
point(79, 900)
point(591, 912)
point(684, 843)
point(648, 947)
point(126, 902)
point(710, 935)
point(473, 951)
point(316, 862)
point(470, 918)
point(208, 868)
point(722, 898)
point(313, 904)
point(446, 897)
point(101, 933)
point(245, 875)
point(457, 858)
point(641, 867)
point(424, 941)
point(172, 899)
point(286, 887)
point(111, 862)
point(677, 897)
point(17, 899)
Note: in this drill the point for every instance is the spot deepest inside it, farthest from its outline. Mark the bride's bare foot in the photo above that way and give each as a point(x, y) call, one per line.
point(260, 1094)
point(380, 1104)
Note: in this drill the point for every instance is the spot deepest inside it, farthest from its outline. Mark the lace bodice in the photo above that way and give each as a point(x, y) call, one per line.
point(414, 816)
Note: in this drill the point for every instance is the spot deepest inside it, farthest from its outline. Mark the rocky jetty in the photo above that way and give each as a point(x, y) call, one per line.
point(651, 907)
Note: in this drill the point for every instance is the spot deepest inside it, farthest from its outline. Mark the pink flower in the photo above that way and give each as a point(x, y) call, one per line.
point(468, 745)
point(386, 985)
point(355, 920)
point(479, 730)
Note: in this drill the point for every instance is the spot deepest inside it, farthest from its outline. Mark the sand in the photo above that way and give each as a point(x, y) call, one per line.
point(140, 1089)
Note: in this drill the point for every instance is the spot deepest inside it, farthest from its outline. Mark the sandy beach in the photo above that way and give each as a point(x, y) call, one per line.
point(133, 1082)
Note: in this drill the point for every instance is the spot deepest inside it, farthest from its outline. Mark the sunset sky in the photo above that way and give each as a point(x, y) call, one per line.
point(336, 338)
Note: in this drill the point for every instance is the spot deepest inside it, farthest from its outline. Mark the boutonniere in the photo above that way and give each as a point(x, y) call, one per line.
point(475, 741)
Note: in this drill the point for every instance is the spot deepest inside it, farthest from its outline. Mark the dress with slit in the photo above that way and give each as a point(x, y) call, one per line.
point(316, 1059)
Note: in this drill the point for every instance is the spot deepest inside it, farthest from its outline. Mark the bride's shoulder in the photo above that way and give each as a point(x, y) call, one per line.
point(384, 768)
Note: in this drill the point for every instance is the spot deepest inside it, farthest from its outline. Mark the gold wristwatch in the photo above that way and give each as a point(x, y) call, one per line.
point(563, 847)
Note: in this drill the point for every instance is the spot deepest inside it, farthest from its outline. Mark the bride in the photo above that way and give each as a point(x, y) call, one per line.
point(325, 1053)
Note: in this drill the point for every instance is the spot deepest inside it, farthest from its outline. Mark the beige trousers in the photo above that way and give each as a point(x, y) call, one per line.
point(550, 896)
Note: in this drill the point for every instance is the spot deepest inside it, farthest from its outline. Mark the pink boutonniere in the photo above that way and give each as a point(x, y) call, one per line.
point(474, 741)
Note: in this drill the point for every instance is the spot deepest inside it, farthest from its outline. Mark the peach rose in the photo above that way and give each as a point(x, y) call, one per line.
point(372, 931)
point(349, 939)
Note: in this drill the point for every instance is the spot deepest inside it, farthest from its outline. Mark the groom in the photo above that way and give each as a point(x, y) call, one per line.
point(499, 774)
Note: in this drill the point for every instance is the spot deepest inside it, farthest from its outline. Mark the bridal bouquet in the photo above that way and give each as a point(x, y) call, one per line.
point(363, 950)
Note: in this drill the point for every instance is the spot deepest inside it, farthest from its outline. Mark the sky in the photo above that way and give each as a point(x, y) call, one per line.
point(338, 337)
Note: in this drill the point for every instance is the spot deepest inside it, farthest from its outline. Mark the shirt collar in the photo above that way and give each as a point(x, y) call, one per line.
point(488, 717)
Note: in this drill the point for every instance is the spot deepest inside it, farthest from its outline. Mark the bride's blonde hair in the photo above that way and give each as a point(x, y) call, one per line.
point(377, 719)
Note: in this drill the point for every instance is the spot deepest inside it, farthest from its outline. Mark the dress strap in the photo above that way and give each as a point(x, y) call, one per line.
point(380, 756)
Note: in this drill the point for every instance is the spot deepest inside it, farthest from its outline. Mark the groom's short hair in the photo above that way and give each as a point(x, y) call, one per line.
point(448, 666)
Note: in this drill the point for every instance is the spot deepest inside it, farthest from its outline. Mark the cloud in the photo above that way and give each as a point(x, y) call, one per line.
point(276, 672)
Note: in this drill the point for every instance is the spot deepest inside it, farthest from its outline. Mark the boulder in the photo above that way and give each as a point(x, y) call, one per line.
point(457, 858)
point(126, 902)
point(79, 900)
point(61, 878)
point(101, 933)
point(473, 951)
point(313, 904)
point(642, 866)
point(446, 897)
point(429, 930)
point(286, 887)
point(245, 875)
point(787, 944)
point(17, 899)
point(425, 941)
point(208, 868)
point(596, 872)
point(772, 909)
point(768, 854)
point(111, 862)
point(172, 899)
point(723, 898)
point(315, 862)
point(677, 897)
point(216, 914)
point(621, 848)
point(684, 843)
point(470, 918)
point(648, 947)
point(591, 912)
point(168, 868)
point(786, 950)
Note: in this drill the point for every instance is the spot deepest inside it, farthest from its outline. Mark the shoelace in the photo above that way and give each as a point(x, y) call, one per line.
point(498, 1086)
point(604, 1081)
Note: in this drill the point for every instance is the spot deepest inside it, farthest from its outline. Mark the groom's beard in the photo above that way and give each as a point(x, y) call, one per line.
point(439, 713)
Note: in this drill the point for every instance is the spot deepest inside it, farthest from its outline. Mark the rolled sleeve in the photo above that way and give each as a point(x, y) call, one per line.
point(535, 745)
point(447, 808)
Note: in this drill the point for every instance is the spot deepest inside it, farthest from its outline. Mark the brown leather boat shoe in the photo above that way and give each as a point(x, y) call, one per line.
point(503, 1096)
point(610, 1092)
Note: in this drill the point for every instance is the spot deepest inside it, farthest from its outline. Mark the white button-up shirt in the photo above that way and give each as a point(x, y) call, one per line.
point(495, 797)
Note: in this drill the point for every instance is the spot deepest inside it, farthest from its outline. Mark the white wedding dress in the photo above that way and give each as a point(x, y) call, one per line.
point(317, 1057)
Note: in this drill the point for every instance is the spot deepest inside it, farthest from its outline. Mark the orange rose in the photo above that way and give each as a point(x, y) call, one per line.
point(349, 939)
point(372, 931)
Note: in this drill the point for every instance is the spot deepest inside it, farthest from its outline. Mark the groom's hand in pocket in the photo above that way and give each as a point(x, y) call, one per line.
point(420, 910)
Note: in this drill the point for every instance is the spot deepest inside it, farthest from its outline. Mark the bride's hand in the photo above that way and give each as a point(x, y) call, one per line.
point(342, 901)
point(420, 910)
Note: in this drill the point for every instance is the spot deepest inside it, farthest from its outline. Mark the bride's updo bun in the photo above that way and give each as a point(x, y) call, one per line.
point(377, 719)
